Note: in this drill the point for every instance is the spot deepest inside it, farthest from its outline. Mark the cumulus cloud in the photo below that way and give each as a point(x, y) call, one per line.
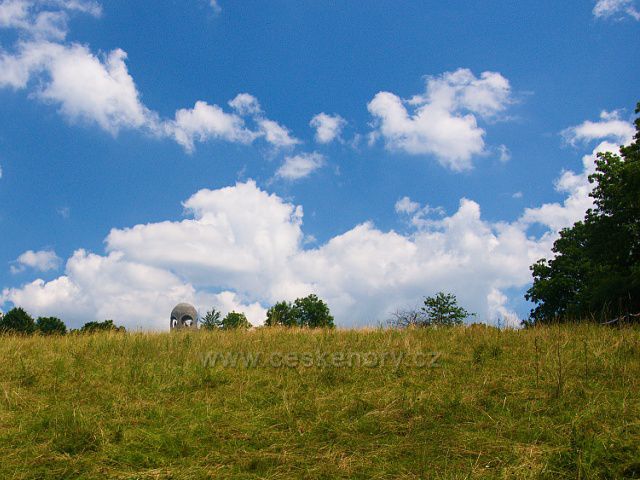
point(610, 126)
point(575, 185)
point(42, 260)
point(444, 120)
point(616, 9)
point(204, 122)
point(243, 248)
point(406, 205)
point(328, 127)
point(43, 20)
point(276, 134)
point(85, 87)
point(300, 166)
point(250, 243)
point(99, 88)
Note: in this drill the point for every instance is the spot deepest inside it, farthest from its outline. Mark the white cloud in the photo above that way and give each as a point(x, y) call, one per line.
point(215, 5)
point(406, 205)
point(242, 248)
point(300, 166)
point(419, 216)
point(574, 185)
point(204, 122)
point(99, 89)
point(276, 134)
point(42, 260)
point(84, 86)
point(328, 127)
point(616, 8)
point(505, 154)
point(610, 127)
point(444, 120)
point(246, 104)
point(43, 20)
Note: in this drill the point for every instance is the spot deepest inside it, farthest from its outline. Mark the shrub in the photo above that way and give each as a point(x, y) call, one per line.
point(50, 326)
point(235, 320)
point(105, 326)
point(17, 320)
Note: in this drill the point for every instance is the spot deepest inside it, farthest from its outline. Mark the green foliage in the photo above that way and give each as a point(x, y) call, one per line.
point(212, 320)
point(595, 271)
point(235, 320)
point(310, 312)
point(105, 326)
point(281, 314)
point(50, 326)
point(443, 311)
point(17, 320)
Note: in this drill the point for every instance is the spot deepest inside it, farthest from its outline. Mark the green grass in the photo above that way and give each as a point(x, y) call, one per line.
point(553, 402)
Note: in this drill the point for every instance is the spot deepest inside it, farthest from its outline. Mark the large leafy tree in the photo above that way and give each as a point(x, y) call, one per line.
point(281, 314)
point(17, 320)
point(309, 311)
point(595, 271)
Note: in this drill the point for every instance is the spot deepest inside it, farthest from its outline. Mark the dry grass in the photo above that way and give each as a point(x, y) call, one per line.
point(552, 402)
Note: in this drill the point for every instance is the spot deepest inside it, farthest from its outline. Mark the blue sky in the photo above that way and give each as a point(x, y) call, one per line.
point(152, 154)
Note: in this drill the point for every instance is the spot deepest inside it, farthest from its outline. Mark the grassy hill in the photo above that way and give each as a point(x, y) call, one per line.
point(552, 402)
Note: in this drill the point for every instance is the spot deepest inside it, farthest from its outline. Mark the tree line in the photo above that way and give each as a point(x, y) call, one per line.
point(441, 310)
point(595, 270)
point(17, 320)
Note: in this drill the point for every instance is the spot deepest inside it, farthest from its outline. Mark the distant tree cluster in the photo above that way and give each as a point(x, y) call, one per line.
point(440, 310)
point(213, 320)
point(309, 312)
point(595, 271)
point(18, 321)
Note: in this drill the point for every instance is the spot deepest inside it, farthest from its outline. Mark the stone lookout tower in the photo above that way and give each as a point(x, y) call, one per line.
point(184, 317)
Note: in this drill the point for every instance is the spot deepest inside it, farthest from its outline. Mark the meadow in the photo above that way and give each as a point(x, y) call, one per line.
point(464, 402)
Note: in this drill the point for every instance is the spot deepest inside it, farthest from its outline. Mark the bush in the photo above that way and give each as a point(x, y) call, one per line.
point(17, 320)
point(235, 320)
point(105, 326)
point(50, 326)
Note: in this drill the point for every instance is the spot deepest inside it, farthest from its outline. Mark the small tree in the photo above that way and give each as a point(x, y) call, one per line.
point(105, 326)
point(443, 310)
point(408, 317)
point(280, 314)
point(17, 320)
point(312, 312)
point(50, 326)
point(235, 320)
point(212, 320)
